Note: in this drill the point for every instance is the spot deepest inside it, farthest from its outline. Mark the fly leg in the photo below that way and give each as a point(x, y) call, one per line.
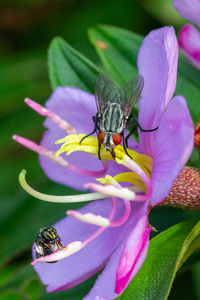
point(140, 127)
point(125, 145)
point(134, 125)
point(99, 150)
point(95, 120)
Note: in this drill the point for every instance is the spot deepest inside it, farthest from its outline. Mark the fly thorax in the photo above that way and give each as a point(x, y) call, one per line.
point(112, 119)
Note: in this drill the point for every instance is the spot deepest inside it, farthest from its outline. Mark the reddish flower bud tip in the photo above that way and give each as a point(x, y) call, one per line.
point(197, 135)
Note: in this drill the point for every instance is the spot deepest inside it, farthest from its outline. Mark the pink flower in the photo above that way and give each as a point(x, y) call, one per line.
point(120, 243)
point(189, 36)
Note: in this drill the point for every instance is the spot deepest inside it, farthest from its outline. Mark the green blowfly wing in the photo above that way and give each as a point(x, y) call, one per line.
point(130, 93)
point(105, 92)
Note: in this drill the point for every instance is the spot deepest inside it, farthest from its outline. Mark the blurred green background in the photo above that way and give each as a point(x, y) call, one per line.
point(26, 29)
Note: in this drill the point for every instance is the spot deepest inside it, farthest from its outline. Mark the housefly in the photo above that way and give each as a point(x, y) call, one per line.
point(47, 242)
point(114, 108)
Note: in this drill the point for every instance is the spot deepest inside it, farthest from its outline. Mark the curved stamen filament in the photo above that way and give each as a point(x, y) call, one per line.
point(47, 113)
point(102, 221)
point(70, 249)
point(111, 190)
point(88, 173)
point(101, 229)
point(57, 199)
point(59, 160)
point(93, 236)
point(130, 164)
point(89, 218)
point(125, 216)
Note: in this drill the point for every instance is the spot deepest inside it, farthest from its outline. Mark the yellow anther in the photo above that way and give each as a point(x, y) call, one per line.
point(71, 143)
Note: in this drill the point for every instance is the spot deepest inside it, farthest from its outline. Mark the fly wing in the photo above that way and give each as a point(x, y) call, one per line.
point(130, 93)
point(105, 92)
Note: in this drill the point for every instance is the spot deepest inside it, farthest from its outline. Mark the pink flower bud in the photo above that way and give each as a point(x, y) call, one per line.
point(185, 192)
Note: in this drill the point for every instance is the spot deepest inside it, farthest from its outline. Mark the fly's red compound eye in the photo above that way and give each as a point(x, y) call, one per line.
point(116, 138)
point(101, 136)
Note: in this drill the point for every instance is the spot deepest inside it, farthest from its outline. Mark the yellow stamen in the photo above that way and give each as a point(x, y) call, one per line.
point(128, 177)
point(108, 180)
point(71, 143)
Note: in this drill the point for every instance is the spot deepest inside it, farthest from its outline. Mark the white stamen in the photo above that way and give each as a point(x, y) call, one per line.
point(111, 190)
point(89, 218)
point(57, 199)
point(70, 249)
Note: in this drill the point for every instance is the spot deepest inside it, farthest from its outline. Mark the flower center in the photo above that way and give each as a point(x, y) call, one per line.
point(71, 143)
point(139, 189)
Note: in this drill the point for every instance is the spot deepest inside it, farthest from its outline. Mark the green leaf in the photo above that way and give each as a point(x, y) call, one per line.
point(118, 50)
point(196, 279)
point(68, 67)
point(18, 208)
point(7, 273)
point(8, 295)
point(167, 252)
point(22, 75)
point(164, 12)
point(188, 85)
point(76, 293)
point(23, 281)
point(33, 289)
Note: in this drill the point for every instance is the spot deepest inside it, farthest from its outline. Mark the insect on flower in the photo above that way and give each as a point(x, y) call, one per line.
point(47, 242)
point(114, 108)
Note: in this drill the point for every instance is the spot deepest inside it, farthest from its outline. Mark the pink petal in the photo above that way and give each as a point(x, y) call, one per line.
point(77, 108)
point(105, 285)
point(157, 62)
point(63, 175)
point(188, 9)
point(189, 43)
point(172, 147)
point(132, 256)
point(80, 266)
point(73, 105)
